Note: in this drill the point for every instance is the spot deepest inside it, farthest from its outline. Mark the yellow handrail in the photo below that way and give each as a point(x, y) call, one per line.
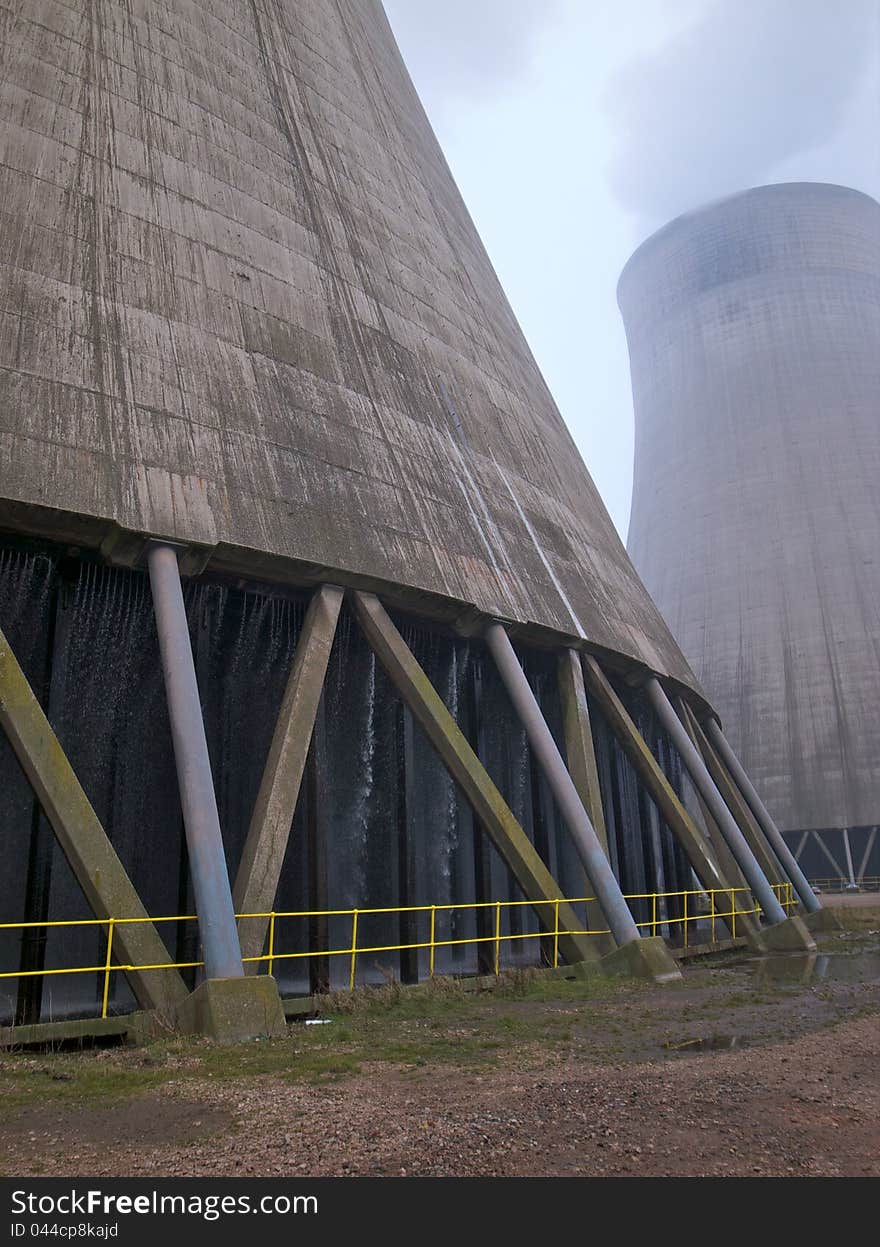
point(714, 897)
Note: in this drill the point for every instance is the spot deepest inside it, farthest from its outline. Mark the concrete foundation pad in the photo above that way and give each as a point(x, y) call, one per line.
point(233, 1010)
point(646, 958)
point(823, 920)
point(788, 936)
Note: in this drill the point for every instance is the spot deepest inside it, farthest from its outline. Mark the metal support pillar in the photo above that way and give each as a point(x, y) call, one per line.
point(849, 861)
point(204, 841)
point(464, 766)
point(661, 792)
point(589, 848)
point(690, 756)
point(762, 815)
point(256, 883)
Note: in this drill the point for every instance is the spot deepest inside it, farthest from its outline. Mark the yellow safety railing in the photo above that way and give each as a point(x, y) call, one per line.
point(697, 906)
point(867, 883)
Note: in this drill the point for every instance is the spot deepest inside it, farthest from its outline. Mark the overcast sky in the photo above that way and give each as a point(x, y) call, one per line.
point(575, 128)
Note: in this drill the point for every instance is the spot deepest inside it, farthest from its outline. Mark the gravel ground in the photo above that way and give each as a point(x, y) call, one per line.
point(734, 1073)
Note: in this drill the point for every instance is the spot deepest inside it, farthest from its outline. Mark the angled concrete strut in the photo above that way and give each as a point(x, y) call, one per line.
point(469, 773)
point(696, 767)
point(659, 788)
point(590, 850)
point(580, 756)
point(733, 798)
point(85, 844)
point(204, 840)
point(786, 858)
point(256, 883)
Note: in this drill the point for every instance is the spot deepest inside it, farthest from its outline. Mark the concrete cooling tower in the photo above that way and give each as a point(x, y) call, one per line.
point(309, 607)
point(754, 338)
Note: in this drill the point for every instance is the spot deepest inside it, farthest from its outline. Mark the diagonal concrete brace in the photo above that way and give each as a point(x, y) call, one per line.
point(94, 861)
point(469, 773)
point(256, 883)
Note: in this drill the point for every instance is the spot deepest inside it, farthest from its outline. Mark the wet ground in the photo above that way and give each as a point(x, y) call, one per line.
point(749, 1066)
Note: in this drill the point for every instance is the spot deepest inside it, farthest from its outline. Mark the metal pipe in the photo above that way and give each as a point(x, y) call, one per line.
point(705, 785)
point(204, 841)
point(786, 858)
point(586, 841)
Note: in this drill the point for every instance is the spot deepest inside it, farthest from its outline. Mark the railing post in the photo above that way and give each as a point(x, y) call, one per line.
point(733, 911)
point(433, 931)
point(107, 962)
point(271, 941)
point(653, 913)
point(685, 920)
point(354, 939)
point(712, 912)
point(497, 938)
point(555, 934)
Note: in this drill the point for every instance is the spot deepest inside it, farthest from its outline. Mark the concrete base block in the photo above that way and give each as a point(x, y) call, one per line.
point(646, 958)
point(789, 936)
point(823, 920)
point(233, 1010)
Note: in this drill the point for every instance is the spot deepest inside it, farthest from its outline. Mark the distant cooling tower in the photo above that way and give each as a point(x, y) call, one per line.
point(754, 338)
point(249, 334)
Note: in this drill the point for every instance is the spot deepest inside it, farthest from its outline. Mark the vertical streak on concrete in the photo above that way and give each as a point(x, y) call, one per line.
point(262, 858)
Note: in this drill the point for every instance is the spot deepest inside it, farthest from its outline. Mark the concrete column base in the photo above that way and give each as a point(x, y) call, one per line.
point(233, 1010)
point(646, 958)
point(788, 936)
point(823, 920)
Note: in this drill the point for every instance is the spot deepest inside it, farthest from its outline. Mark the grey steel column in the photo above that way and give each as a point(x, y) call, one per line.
point(589, 849)
point(204, 841)
point(699, 773)
point(762, 814)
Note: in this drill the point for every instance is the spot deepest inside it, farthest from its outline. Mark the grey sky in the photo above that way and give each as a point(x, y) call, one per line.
point(576, 127)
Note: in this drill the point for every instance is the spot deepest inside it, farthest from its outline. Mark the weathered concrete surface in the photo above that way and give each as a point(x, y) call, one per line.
point(792, 935)
point(85, 843)
point(753, 327)
point(233, 1010)
point(244, 306)
point(647, 958)
point(495, 816)
point(256, 883)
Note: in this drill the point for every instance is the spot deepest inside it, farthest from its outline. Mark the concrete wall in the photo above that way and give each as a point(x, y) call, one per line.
point(244, 305)
point(754, 337)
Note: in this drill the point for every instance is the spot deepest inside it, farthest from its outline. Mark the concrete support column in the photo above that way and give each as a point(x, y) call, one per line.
point(204, 841)
point(762, 816)
point(725, 821)
point(586, 841)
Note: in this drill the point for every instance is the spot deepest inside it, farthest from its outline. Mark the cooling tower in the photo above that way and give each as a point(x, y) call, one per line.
point(249, 334)
point(754, 339)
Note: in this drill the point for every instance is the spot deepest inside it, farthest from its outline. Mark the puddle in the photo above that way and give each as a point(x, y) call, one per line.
point(713, 1043)
point(837, 967)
